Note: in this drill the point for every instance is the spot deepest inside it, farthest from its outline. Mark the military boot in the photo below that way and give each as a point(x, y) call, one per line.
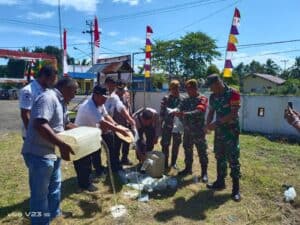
point(219, 184)
point(236, 196)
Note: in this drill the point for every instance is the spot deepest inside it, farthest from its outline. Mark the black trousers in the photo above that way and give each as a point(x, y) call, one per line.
point(110, 140)
point(121, 145)
point(83, 170)
point(149, 135)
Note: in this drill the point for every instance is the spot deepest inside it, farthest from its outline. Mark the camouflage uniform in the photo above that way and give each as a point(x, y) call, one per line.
point(193, 123)
point(167, 120)
point(226, 142)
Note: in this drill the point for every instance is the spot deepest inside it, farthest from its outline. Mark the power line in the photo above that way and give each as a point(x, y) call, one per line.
point(202, 19)
point(162, 10)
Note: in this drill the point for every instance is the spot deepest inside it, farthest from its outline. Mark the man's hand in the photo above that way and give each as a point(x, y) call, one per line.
point(65, 151)
point(211, 126)
point(132, 122)
point(124, 131)
point(290, 116)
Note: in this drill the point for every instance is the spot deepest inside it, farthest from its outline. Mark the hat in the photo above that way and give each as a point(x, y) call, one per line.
point(211, 79)
point(109, 80)
point(128, 139)
point(100, 90)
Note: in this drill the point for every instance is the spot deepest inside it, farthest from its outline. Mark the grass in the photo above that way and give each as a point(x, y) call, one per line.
point(265, 167)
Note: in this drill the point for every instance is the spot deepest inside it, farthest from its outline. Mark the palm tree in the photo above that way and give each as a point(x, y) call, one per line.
point(270, 67)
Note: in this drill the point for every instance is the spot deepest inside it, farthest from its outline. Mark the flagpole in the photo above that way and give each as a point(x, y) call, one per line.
point(60, 35)
point(145, 71)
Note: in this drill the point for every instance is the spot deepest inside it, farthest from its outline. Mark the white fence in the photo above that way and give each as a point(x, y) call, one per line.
point(271, 108)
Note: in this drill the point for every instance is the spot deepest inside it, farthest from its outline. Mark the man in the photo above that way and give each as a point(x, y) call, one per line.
point(48, 117)
point(148, 124)
point(293, 118)
point(120, 92)
point(114, 103)
point(93, 113)
point(225, 103)
point(46, 78)
point(170, 101)
point(192, 111)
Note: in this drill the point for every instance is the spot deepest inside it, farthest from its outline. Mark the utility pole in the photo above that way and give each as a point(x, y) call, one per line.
point(284, 61)
point(91, 31)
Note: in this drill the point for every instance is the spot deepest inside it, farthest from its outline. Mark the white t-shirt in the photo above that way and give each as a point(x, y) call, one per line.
point(27, 96)
point(113, 102)
point(89, 114)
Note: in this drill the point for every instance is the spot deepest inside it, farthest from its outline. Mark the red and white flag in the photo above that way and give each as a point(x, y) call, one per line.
point(96, 40)
point(65, 54)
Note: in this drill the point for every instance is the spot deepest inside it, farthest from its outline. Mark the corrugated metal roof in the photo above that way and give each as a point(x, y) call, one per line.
point(97, 68)
point(109, 68)
point(274, 79)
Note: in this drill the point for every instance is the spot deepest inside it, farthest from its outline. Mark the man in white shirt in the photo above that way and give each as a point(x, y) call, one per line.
point(113, 102)
point(47, 77)
point(93, 113)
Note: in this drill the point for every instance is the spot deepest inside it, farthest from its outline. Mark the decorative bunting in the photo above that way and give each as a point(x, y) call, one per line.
point(237, 13)
point(234, 30)
point(227, 73)
point(231, 47)
point(228, 64)
point(148, 42)
point(148, 49)
point(232, 40)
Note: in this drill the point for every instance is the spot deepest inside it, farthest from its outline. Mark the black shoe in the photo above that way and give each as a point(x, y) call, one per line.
point(204, 178)
point(185, 172)
point(236, 197)
point(217, 185)
point(126, 162)
point(90, 188)
point(174, 166)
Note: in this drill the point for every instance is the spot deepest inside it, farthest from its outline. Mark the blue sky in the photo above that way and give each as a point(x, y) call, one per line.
point(35, 23)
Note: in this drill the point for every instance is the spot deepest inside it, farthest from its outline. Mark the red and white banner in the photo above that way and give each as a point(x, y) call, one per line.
point(96, 40)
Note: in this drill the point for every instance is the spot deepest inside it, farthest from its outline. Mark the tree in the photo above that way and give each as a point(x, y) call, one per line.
point(270, 67)
point(212, 69)
point(15, 68)
point(295, 70)
point(188, 56)
point(158, 80)
point(197, 50)
point(254, 67)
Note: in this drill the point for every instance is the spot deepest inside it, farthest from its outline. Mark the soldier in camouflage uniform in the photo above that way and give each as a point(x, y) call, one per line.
point(225, 102)
point(170, 101)
point(192, 111)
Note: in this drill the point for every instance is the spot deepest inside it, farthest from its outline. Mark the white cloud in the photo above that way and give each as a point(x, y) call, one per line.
point(130, 41)
point(42, 15)
point(43, 33)
point(88, 6)
point(131, 2)
point(9, 2)
point(113, 33)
